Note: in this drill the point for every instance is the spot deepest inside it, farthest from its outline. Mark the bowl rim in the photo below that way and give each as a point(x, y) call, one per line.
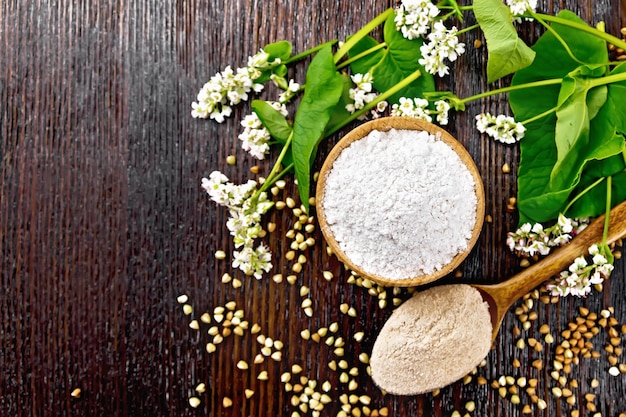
point(400, 123)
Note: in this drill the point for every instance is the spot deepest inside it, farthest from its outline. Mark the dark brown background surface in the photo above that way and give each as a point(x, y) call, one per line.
point(103, 222)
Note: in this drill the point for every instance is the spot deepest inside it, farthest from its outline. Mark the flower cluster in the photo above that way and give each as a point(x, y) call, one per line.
point(255, 137)
point(502, 128)
point(443, 44)
point(414, 17)
point(519, 7)
point(418, 109)
point(442, 108)
point(228, 88)
point(362, 93)
point(379, 110)
point(290, 89)
point(530, 240)
point(246, 206)
point(581, 275)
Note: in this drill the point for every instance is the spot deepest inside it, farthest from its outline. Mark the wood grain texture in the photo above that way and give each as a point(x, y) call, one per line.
point(103, 223)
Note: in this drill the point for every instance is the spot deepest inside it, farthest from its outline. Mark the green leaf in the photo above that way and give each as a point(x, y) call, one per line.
point(400, 60)
point(610, 121)
point(507, 52)
point(273, 120)
point(616, 110)
point(324, 86)
point(340, 114)
point(593, 202)
point(365, 64)
point(281, 70)
point(278, 50)
point(578, 103)
point(537, 201)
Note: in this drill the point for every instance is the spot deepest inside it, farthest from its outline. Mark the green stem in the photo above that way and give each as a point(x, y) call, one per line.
point(609, 79)
point(282, 173)
point(539, 116)
point(369, 106)
point(273, 176)
point(550, 29)
point(585, 191)
point(541, 83)
point(354, 39)
point(452, 5)
point(361, 55)
point(467, 29)
point(620, 43)
point(449, 15)
point(608, 210)
point(308, 52)
point(462, 8)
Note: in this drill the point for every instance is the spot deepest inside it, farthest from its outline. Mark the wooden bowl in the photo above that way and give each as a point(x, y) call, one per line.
point(400, 123)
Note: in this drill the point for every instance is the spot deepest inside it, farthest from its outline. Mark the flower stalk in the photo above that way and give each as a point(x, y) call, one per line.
point(620, 43)
point(534, 84)
point(354, 39)
point(274, 174)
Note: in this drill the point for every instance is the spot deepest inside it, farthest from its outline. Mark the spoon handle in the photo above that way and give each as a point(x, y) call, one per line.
point(528, 279)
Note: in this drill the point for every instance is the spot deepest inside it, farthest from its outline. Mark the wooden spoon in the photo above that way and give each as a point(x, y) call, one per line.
point(501, 296)
point(409, 357)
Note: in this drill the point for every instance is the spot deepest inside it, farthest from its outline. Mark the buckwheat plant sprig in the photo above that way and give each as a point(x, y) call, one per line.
point(228, 88)
point(581, 275)
point(532, 239)
point(501, 128)
point(246, 205)
point(255, 138)
point(414, 17)
point(290, 88)
point(362, 93)
point(416, 108)
point(443, 44)
point(442, 108)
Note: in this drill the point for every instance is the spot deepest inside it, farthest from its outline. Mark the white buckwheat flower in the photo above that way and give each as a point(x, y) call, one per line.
point(443, 44)
point(362, 93)
point(530, 240)
point(442, 108)
point(416, 108)
point(256, 138)
point(245, 207)
point(292, 88)
point(581, 275)
point(228, 88)
point(380, 108)
point(260, 60)
point(414, 17)
point(502, 128)
point(519, 7)
point(253, 261)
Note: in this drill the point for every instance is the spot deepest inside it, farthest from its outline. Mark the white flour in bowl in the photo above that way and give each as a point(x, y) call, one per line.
point(400, 204)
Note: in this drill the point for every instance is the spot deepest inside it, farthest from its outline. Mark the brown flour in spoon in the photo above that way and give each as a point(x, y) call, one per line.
point(433, 339)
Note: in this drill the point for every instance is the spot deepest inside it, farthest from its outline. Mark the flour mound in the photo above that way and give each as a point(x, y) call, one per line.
point(432, 340)
point(400, 204)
